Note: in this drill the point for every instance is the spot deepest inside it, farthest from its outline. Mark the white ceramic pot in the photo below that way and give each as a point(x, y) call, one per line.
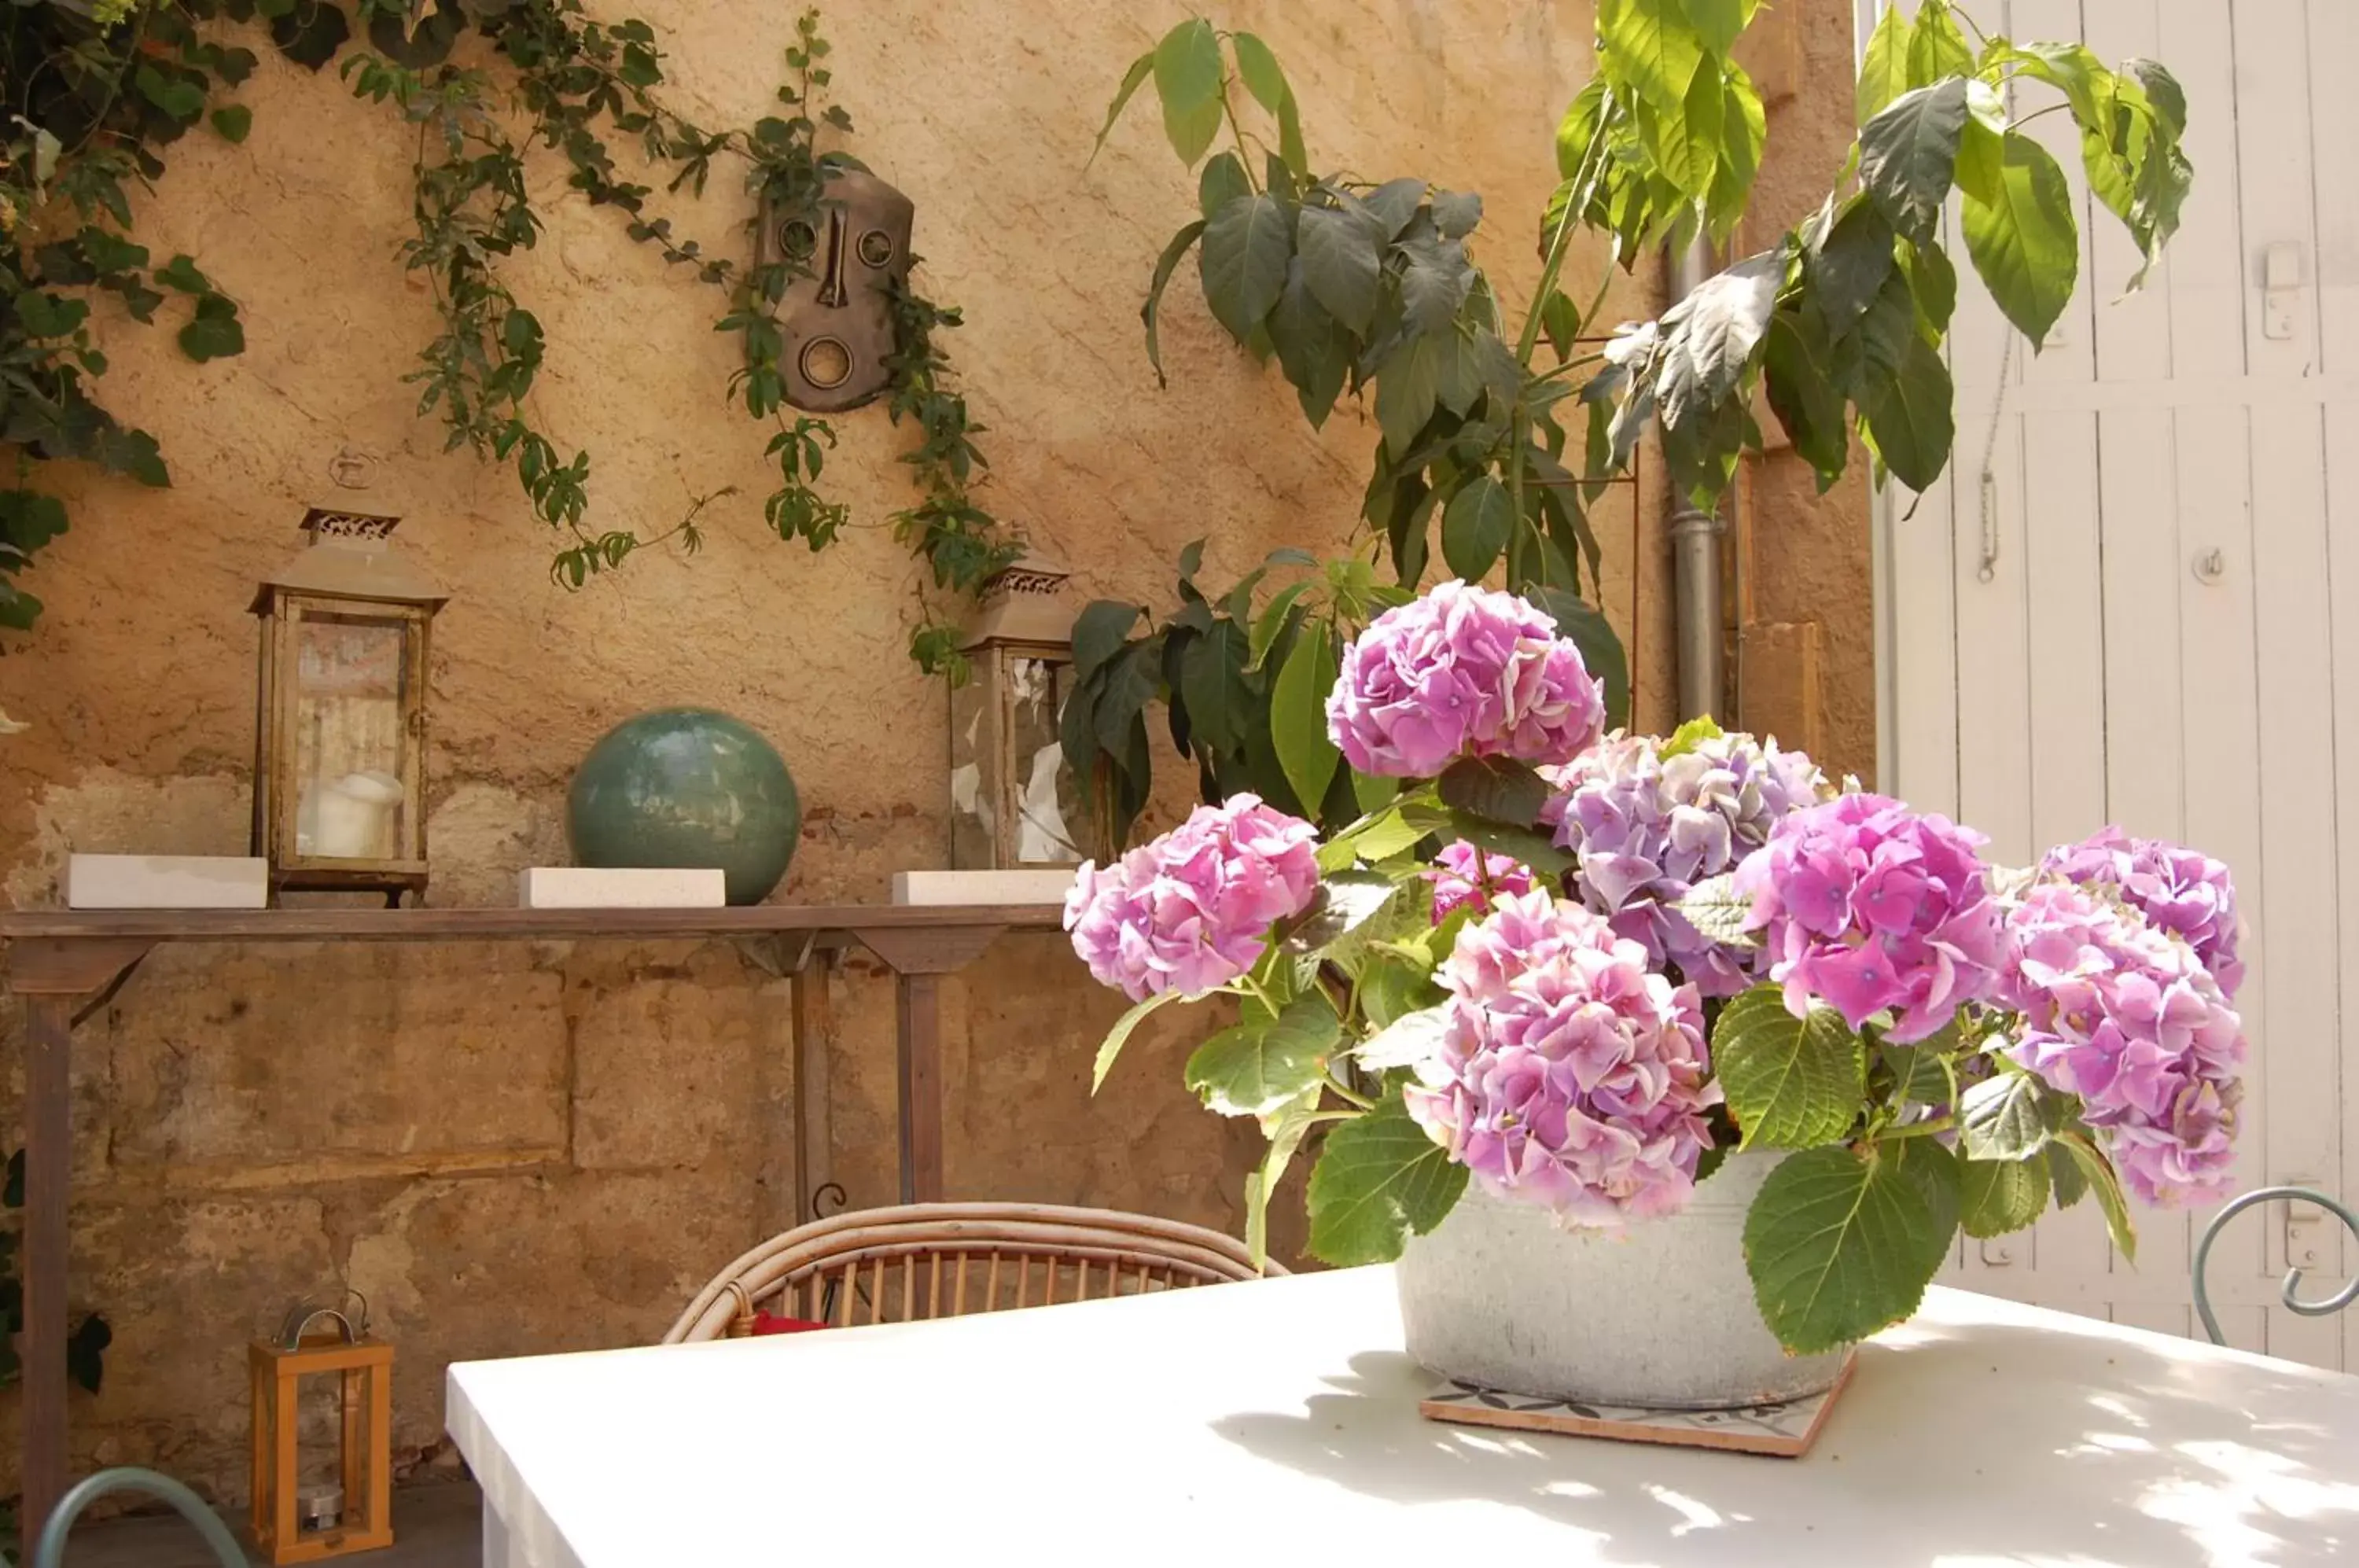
point(1662, 1317)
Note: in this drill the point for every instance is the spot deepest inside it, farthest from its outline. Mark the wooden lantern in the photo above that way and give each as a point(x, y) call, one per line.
point(1013, 800)
point(339, 724)
point(293, 1523)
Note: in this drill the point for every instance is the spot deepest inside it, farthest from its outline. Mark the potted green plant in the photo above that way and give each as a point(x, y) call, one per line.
point(1622, 1044)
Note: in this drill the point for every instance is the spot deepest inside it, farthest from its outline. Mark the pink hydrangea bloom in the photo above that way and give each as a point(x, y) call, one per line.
point(1867, 905)
point(1462, 671)
point(1648, 827)
point(2181, 890)
point(1569, 1074)
point(1464, 874)
point(2127, 1018)
point(1190, 911)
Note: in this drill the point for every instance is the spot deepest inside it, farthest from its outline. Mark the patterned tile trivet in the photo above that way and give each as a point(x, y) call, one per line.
point(1786, 1430)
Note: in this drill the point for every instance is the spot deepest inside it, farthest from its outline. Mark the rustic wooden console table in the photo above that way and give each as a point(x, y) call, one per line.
point(65, 965)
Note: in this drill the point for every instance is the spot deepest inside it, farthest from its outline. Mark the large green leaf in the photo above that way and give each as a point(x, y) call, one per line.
point(1647, 46)
point(1246, 245)
point(1151, 312)
point(2007, 1116)
point(1220, 702)
point(1476, 526)
point(1908, 155)
point(1258, 68)
point(1188, 79)
point(1836, 1243)
point(1131, 80)
point(1533, 848)
point(1409, 1041)
point(1407, 389)
point(1378, 1178)
point(1713, 334)
point(1718, 912)
point(1803, 398)
point(2002, 1196)
point(1912, 416)
point(1119, 1036)
point(1341, 261)
point(1884, 70)
point(1312, 348)
point(1937, 47)
point(2024, 243)
point(1850, 265)
point(1297, 714)
point(1098, 632)
point(1286, 1131)
point(1222, 181)
point(1791, 1082)
point(1254, 1068)
point(1935, 1171)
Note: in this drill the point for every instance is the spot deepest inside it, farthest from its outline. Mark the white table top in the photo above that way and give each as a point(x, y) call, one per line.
point(1281, 1417)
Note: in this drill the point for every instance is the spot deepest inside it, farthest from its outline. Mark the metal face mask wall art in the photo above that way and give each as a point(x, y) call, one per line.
point(838, 322)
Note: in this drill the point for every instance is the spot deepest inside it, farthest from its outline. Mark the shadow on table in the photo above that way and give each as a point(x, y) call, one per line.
point(2018, 1446)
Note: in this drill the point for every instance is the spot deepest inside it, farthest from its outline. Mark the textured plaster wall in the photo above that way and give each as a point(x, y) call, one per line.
point(541, 1149)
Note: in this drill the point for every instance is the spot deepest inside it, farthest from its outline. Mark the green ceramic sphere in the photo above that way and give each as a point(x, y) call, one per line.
point(687, 787)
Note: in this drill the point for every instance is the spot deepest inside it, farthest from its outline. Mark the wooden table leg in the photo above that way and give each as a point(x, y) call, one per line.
point(814, 1008)
point(919, 1037)
point(918, 958)
point(48, 1170)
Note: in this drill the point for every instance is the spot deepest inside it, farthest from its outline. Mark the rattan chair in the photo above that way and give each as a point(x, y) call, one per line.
point(939, 1260)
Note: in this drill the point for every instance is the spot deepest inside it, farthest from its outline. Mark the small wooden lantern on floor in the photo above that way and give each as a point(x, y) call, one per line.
point(1014, 803)
point(299, 1522)
point(340, 727)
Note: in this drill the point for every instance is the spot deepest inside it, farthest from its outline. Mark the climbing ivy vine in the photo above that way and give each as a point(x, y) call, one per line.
point(97, 92)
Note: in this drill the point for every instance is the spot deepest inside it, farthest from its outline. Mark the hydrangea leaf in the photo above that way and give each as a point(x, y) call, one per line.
point(1346, 901)
point(1499, 788)
point(2001, 1196)
point(1409, 1040)
point(1835, 1245)
point(1791, 1082)
point(1253, 1069)
point(1119, 1036)
point(1378, 1178)
point(2098, 1172)
point(2007, 1116)
point(1297, 714)
point(1691, 735)
point(1534, 849)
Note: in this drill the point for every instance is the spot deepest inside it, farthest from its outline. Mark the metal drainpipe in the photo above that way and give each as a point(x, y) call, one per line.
point(1695, 551)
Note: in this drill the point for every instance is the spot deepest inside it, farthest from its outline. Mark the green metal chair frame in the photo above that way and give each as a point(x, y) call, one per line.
point(51, 1551)
point(2319, 1309)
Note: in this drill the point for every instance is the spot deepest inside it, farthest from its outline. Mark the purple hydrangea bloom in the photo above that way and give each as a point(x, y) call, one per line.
point(1648, 827)
point(2181, 890)
point(1571, 1074)
point(1190, 911)
point(1464, 874)
point(1462, 671)
point(1867, 905)
point(2126, 1017)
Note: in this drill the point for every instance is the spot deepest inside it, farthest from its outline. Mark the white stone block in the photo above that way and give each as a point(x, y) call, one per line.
point(166, 882)
point(621, 888)
point(1042, 887)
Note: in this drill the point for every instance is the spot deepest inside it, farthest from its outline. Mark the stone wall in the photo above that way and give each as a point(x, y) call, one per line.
point(541, 1149)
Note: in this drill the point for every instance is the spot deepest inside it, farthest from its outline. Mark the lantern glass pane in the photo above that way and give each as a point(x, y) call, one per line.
point(974, 771)
point(1047, 807)
point(352, 737)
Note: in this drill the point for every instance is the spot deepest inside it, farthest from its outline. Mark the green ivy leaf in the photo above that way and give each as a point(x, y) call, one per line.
point(1242, 264)
point(1254, 1068)
point(1476, 526)
point(1835, 1243)
point(1791, 1082)
point(215, 332)
point(1297, 714)
point(1378, 1178)
point(2002, 1196)
point(1119, 1036)
point(232, 121)
point(309, 32)
point(86, 1353)
point(2007, 1116)
point(2024, 243)
point(1908, 155)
